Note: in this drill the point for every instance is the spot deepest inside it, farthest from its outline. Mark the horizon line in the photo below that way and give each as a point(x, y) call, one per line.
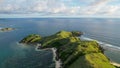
point(53, 16)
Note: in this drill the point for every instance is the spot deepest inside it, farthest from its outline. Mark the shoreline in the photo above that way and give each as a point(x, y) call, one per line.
point(106, 46)
point(115, 64)
point(57, 62)
point(103, 44)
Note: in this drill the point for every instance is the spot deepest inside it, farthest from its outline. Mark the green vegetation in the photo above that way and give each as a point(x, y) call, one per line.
point(73, 52)
point(72, 55)
point(76, 33)
point(33, 38)
point(92, 60)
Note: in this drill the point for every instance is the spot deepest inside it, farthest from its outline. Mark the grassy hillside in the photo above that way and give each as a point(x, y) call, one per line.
point(93, 60)
point(73, 52)
point(33, 38)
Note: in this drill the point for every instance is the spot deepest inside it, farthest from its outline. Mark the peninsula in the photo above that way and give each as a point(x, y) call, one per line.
point(71, 51)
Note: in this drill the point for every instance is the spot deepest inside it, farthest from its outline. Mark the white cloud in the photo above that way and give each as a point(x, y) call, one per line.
point(1, 1)
point(113, 9)
point(39, 7)
point(99, 2)
point(96, 6)
point(75, 9)
point(8, 8)
point(59, 7)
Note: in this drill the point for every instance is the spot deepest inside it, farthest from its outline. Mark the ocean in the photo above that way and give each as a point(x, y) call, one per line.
point(13, 55)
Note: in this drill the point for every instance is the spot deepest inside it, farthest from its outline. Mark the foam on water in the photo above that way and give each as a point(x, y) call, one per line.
point(21, 45)
point(103, 44)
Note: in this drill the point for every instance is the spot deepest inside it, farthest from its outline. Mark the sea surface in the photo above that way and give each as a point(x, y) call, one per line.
point(15, 55)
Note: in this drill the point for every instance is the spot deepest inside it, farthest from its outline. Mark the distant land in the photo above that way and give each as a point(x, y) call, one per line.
point(6, 29)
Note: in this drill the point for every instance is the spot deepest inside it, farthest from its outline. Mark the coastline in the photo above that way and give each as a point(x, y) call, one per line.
point(88, 48)
point(105, 46)
point(57, 62)
point(115, 64)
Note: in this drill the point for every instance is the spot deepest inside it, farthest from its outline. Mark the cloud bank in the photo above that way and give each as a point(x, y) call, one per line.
point(61, 7)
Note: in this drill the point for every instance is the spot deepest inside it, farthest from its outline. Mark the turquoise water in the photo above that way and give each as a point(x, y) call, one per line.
point(13, 55)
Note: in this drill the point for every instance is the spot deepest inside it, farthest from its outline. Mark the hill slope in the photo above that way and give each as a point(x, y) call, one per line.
point(73, 52)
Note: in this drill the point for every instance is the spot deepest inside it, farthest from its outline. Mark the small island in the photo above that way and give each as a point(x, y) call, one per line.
point(70, 51)
point(6, 29)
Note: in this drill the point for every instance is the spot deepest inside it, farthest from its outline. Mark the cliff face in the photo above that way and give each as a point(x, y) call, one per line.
point(73, 52)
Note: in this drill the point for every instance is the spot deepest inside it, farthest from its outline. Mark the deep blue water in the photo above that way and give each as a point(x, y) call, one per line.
point(13, 55)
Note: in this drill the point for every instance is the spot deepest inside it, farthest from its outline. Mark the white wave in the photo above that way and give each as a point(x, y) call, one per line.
point(103, 44)
point(37, 47)
point(22, 46)
point(85, 38)
point(57, 62)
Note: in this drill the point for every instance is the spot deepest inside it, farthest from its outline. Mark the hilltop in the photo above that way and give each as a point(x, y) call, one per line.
point(73, 52)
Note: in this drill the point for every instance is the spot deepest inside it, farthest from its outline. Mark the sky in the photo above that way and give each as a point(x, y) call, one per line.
point(59, 8)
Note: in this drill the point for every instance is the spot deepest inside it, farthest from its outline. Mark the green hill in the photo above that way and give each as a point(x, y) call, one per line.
point(73, 52)
point(33, 38)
